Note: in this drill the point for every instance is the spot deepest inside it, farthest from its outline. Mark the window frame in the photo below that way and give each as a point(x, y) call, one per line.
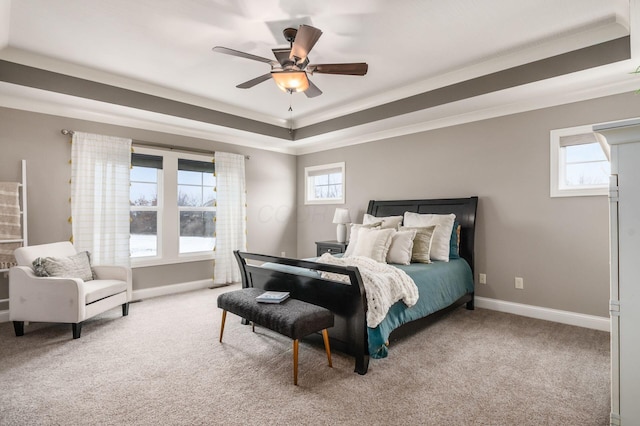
point(312, 171)
point(159, 213)
point(558, 164)
point(169, 211)
point(193, 208)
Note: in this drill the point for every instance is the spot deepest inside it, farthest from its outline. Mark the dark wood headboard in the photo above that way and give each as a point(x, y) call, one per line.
point(463, 208)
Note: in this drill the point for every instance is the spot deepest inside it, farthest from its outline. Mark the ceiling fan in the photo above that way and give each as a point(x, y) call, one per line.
point(291, 66)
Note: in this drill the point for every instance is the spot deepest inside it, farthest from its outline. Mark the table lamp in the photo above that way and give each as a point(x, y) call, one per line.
point(341, 217)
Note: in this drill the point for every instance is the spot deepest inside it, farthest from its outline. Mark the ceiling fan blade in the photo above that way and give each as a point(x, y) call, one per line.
point(249, 84)
point(312, 91)
point(282, 55)
point(359, 68)
point(306, 38)
point(245, 55)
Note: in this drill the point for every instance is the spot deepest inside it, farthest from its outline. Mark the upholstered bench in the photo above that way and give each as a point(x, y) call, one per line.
point(292, 318)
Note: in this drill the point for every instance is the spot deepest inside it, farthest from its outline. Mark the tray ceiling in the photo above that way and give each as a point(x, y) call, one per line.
point(412, 47)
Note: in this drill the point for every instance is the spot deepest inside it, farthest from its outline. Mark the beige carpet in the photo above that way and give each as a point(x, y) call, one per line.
point(163, 365)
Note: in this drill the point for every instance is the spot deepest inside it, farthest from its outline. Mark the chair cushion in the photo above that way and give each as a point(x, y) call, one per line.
point(99, 289)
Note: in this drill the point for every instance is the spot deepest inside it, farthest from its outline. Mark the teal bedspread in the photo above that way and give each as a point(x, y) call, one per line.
point(439, 285)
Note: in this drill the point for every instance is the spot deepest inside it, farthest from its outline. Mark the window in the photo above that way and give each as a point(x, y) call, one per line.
point(173, 207)
point(143, 200)
point(325, 184)
point(579, 163)
point(196, 203)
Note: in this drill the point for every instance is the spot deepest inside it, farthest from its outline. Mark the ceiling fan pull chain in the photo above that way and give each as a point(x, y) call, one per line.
point(290, 112)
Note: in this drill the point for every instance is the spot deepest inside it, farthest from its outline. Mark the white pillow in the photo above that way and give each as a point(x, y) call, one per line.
point(353, 236)
point(401, 247)
point(387, 222)
point(440, 244)
point(374, 243)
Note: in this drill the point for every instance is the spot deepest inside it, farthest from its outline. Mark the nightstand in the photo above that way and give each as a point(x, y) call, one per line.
point(332, 247)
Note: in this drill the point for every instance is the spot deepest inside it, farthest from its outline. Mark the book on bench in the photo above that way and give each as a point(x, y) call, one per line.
point(272, 296)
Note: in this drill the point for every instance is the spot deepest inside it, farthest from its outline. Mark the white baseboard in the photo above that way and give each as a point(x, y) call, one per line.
point(555, 315)
point(164, 290)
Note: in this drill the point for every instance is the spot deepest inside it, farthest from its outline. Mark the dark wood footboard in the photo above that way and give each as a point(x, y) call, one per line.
point(346, 300)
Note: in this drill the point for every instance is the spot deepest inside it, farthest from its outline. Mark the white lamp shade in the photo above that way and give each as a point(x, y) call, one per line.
point(341, 216)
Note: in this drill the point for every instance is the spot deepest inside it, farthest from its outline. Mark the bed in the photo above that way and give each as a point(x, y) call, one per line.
point(449, 285)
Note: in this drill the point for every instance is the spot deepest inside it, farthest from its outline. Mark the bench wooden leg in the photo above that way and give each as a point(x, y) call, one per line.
point(224, 317)
point(295, 361)
point(325, 337)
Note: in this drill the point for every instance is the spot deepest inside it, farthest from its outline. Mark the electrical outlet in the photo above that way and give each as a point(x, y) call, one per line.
point(283, 254)
point(482, 278)
point(519, 283)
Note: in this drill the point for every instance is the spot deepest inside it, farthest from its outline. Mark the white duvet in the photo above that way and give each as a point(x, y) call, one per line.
point(384, 284)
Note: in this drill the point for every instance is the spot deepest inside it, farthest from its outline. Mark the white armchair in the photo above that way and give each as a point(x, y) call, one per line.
point(64, 300)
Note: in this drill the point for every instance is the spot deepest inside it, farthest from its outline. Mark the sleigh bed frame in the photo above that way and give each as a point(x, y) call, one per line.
point(347, 300)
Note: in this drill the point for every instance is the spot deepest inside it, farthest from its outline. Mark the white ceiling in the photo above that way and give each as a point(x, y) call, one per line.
point(411, 46)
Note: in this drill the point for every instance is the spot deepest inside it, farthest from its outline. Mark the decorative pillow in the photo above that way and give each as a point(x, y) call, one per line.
point(76, 266)
point(401, 247)
point(440, 245)
point(387, 222)
point(421, 251)
point(353, 236)
point(454, 244)
point(374, 243)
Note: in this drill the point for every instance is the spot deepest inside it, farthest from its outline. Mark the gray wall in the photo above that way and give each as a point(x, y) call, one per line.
point(36, 138)
point(558, 245)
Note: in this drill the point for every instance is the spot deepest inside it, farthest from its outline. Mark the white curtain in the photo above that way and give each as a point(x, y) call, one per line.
point(100, 167)
point(231, 216)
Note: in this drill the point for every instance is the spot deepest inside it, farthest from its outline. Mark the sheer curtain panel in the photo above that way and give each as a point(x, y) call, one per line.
point(231, 216)
point(100, 197)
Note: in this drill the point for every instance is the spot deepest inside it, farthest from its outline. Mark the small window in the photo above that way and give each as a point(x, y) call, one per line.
point(325, 184)
point(579, 163)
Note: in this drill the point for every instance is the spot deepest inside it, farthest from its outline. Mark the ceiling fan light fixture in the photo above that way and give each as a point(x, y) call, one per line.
point(291, 81)
point(291, 68)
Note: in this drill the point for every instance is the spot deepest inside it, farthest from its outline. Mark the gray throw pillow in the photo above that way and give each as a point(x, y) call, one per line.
point(421, 252)
point(76, 266)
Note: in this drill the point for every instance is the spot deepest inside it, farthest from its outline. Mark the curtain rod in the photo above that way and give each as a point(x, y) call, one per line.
point(157, 145)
